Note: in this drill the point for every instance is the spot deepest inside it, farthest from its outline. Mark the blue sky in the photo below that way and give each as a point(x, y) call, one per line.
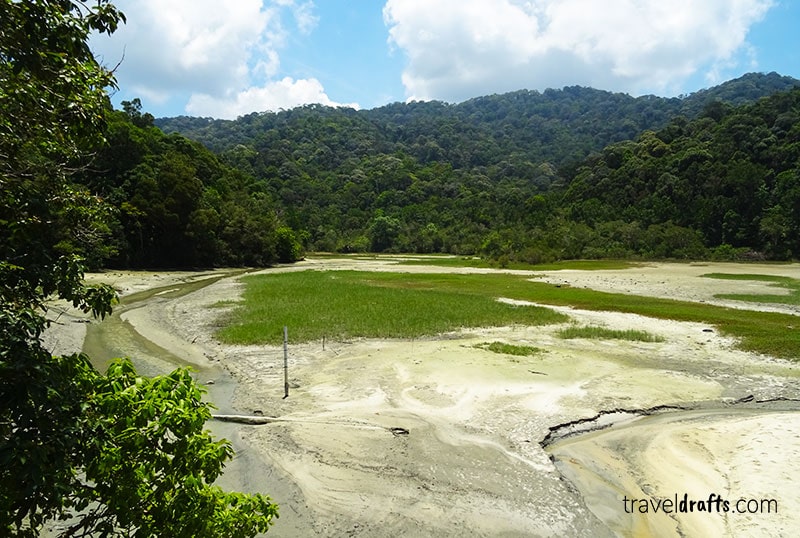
point(225, 58)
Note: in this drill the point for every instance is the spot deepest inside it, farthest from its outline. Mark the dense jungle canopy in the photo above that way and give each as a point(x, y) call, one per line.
point(529, 176)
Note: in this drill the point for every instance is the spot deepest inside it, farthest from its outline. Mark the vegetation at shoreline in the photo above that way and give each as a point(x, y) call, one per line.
point(481, 263)
point(505, 181)
point(515, 180)
point(604, 333)
point(792, 285)
point(349, 303)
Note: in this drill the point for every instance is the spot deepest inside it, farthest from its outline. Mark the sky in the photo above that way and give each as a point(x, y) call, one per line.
point(227, 58)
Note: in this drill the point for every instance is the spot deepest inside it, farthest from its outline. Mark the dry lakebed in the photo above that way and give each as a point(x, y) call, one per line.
point(440, 436)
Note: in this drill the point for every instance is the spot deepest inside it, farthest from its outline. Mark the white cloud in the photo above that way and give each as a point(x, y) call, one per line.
point(187, 44)
point(283, 94)
point(458, 49)
point(214, 55)
point(305, 17)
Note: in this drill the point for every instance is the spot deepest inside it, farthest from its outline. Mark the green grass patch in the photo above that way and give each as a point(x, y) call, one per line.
point(347, 304)
point(603, 333)
point(792, 285)
point(373, 304)
point(447, 260)
point(509, 349)
point(227, 303)
point(762, 332)
point(450, 261)
point(585, 265)
point(750, 276)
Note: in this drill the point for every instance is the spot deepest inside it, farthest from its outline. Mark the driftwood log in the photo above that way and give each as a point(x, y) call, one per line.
point(259, 419)
point(247, 419)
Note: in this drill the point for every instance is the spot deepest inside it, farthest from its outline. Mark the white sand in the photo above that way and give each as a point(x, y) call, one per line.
point(684, 281)
point(740, 456)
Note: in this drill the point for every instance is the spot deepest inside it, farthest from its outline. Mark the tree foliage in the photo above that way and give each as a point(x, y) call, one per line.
point(731, 178)
point(114, 454)
point(175, 204)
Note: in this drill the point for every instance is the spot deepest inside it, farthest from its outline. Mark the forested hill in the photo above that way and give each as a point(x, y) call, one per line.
point(728, 180)
point(521, 129)
point(572, 173)
point(171, 203)
point(498, 176)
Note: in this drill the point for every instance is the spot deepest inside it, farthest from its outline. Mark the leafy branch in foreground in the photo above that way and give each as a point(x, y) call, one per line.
point(107, 455)
point(150, 455)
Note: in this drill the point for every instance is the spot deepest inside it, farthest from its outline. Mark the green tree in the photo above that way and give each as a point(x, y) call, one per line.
point(383, 231)
point(176, 204)
point(114, 454)
point(287, 247)
point(133, 109)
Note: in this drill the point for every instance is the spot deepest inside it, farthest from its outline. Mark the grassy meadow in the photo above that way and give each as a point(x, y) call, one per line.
point(792, 285)
point(349, 304)
point(346, 304)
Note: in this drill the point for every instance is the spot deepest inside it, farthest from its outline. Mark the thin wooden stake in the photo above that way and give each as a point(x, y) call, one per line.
point(285, 362)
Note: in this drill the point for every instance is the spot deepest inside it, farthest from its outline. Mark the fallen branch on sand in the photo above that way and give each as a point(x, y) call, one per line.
point(247, 419)
point(258, 420)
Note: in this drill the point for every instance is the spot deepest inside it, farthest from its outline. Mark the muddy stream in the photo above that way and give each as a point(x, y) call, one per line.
point(116, 337)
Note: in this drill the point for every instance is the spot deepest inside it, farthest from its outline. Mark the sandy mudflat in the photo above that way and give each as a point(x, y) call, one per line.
point(743, 456)
point(471, 462)
point(684, 281)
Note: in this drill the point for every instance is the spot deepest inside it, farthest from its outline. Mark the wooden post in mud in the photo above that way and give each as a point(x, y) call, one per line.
point(285, 362)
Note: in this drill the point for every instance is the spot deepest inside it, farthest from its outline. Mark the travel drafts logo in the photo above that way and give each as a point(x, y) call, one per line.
point(712, 504)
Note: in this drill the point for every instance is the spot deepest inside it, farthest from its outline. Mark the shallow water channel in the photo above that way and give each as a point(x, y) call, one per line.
point(115, 337)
